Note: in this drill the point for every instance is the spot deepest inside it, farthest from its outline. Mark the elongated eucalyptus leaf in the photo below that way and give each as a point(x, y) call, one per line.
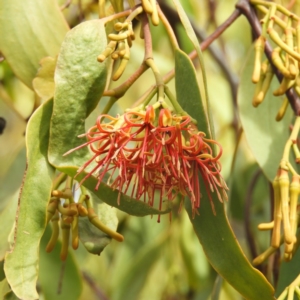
point(214, 231)
point(188, 91)
point(265, 136)
point(21, 264)
point(29, 31)
point(203, 84)
point(58, 280)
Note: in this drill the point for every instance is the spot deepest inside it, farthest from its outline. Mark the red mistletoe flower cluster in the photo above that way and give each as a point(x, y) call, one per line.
point(154, 156)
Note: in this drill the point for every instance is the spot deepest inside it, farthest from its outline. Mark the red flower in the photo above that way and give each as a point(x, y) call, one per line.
point(152, 156)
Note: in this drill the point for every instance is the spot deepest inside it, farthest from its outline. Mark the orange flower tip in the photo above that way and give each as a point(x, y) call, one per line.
point(101, 58)
point(63, 256)
point(297, 160)
point(49, 248)
point(75, 244)
point(118, 237)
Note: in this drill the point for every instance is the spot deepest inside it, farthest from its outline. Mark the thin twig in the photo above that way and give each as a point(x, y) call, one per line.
point(61, 277)
point(147, 37)
point(207, 44)
point(95, 288)
point(193, 55)
point(66, 5)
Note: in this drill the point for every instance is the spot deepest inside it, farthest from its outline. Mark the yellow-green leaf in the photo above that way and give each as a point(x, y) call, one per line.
point(21, 264)
point(79, 83)
point(29, 31)
point(43, 83)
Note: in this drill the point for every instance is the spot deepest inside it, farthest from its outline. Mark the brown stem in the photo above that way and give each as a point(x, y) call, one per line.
point(247, 10)
point(119, 91)
point(193, 55)
point(95, 288)
point(147, 37)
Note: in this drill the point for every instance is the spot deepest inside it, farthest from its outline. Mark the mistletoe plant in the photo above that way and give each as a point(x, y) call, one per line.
point(100, 141)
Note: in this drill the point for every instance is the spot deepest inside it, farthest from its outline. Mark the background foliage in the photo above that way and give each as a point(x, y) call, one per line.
point(156, 261)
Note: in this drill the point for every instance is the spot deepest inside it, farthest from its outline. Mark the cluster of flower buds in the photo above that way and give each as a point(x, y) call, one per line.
point(283, 29)
point(286, 216)
point(118, 47)
point(120, 42)
point(151, 8)
point(65, 217)
point(154, 154)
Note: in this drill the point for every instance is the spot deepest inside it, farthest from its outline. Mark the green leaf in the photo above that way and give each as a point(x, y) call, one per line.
point(10, 184)
point(12, 136)
point(2, 274)
point(214, 232)
point(224, 253)
point(10, 296)
point(57, 279)
point(265, 136)
point(79, 84)
point(7, 218)
point(288, 272)
point(93, 239)
point(203, 83)
point(43, 83)
point(29, 31)
point(188, 92)
point(4, 288)
point(21, 265)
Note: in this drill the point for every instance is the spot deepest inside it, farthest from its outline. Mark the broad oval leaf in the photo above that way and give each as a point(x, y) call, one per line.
point(21, 264)
point(79, 84)
point(29, 31)
point(214, 232)
point(266, 137)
